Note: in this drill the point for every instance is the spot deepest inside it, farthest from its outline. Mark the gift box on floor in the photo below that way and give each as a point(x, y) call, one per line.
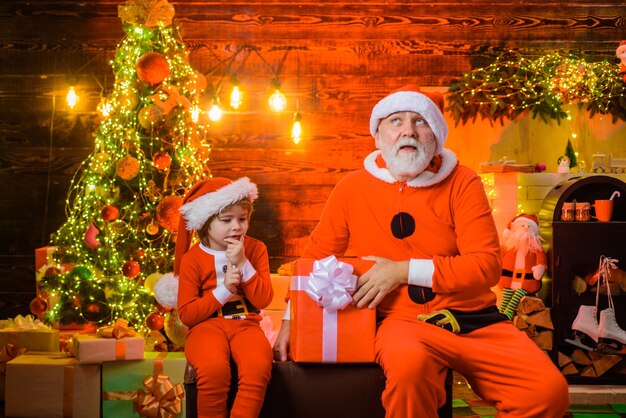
point(7, 353)
point(155, 382)
point(30, 333)
point(51, 385)
point(92, 348)
point(325, 327)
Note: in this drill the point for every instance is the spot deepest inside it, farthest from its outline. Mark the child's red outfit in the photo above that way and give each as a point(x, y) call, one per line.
point(223, 325)
point(215, 334)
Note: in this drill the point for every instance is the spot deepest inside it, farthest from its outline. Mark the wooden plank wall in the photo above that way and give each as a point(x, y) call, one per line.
point(340, 58)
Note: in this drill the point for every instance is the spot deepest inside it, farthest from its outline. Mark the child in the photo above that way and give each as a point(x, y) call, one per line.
point(223, 281)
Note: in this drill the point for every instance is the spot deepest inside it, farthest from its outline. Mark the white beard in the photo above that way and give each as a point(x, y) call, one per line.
point(522, 239)
point(408, 164)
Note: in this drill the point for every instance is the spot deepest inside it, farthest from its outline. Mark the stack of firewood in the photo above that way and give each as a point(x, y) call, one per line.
point(589, 363)
point(533, 317)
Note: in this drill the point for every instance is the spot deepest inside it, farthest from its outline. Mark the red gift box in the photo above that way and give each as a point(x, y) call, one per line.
point(325, 327)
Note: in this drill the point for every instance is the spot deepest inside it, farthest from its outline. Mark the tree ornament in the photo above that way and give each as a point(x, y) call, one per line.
point(152, 229)
point(196, 83)
point(152, 68)
point(51, 271)
point(139, 253)
point(38, 306)
point(90, 237)
point(81, 272)
point(131, 269)
point(150, 13)
point(109, 213)
point(162, 308)
point(162, 160)
point(167, 214)
point(155, 321)
point(127, 167)
point(149, 115)
point(99, 162)
point(151, 280)
point(175, 330)
point(173, 98)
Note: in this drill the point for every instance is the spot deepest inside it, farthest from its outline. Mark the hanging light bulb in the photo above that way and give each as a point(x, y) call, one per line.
point(296, 128)
point(71, 97)
point(105, 107)
point(235, 95)
point(195, 112)
point(277, 101)
point(215, 113)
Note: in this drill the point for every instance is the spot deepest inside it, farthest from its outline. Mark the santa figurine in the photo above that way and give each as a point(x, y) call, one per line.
point(620, 53)
point(523, 262)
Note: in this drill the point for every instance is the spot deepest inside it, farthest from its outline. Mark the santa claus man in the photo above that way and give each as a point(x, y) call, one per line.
point(523, 262)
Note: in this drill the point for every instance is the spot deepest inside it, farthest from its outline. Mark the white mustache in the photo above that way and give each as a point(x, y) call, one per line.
point(405, 141)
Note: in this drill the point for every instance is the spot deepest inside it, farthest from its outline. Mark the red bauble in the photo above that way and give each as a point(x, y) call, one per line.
point(152, 68)
point(162, 160)
point(93, 308)
point(139, 253)
point(109, 213)
point(155, 321)
point(51, 272)
point(131, 269)
point(167, 213)
point(38, 306)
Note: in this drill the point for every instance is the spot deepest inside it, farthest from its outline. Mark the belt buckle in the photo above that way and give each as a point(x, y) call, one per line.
point(234, 310)
point(518, 275)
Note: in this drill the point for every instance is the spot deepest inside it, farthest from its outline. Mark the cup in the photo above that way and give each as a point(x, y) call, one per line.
point(567, 211)
point(604, 210)
point(583, 211)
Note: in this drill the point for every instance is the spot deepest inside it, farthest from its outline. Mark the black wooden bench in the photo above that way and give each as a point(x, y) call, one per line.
point(306, 390)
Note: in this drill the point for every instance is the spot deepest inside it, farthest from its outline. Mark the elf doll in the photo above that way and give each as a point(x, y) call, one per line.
point(523, 262)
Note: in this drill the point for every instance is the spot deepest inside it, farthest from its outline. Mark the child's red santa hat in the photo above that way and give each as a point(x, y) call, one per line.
point(205, 199)
point(410, 98)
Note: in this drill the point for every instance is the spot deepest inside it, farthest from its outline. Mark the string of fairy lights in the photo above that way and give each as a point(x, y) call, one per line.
point(543, 85)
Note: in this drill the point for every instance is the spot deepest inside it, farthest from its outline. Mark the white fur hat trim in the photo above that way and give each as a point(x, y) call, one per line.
point(199, 210)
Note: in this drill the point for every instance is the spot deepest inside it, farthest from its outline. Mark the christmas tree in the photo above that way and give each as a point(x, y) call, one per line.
point(571, 154)
point(122, 206)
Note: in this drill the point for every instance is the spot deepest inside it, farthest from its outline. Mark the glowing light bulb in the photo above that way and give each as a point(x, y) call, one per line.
point(296, 129)
point(71, 97)
point(235, 97)
point(195, 113)
point(105, 107)
point(215, 113)
point(277, 101)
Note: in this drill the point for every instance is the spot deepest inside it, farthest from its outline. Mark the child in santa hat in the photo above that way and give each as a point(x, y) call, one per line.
point(224, 279)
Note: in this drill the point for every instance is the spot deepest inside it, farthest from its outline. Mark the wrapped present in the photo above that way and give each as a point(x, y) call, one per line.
point(51, 385)
point(8, 353)
point(325, 327)
point(110, 343)
point(148, 388)
point(30, 333)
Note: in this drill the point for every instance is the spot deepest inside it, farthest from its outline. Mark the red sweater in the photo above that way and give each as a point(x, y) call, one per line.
point(453, 227)
point(198, 278)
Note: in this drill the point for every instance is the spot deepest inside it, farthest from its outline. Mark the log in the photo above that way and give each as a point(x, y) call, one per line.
point(530, 304)
point(569, 369)
point(543, 340)
point(603, 362)
point(531, 331)
point(541, 319)
point(564, 359)
point(580, 357)
point(588, 371)
point(520, 321)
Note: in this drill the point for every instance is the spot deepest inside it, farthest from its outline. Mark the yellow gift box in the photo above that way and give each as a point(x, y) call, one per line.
point(50, 385)
point(32, 339)
point(92, 348)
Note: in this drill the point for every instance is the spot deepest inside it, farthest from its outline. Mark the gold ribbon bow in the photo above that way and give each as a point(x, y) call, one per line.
point(118, 330)
point(146, 12)
point(8, 353)
point(162, 400)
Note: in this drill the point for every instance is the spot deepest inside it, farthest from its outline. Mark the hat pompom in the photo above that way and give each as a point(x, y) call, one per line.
point(166, 290)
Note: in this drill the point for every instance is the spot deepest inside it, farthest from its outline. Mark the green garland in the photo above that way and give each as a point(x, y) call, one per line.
point(513, 85)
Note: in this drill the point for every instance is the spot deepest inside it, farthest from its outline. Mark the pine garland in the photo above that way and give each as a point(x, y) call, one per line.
point(514, 84)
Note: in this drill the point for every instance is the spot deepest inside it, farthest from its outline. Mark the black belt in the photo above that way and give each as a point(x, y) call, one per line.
point(237, 307)
point(518, 275)
point(460, 322)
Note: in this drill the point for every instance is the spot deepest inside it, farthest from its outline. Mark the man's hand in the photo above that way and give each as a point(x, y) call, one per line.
point(235, 251)
point(384, 276)
point(281, 345)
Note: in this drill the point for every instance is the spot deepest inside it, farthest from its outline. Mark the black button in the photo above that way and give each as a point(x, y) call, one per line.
point(402, 225)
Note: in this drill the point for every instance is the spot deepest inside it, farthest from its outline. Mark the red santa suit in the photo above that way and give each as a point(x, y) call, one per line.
point(223, 325)
point(442, 222)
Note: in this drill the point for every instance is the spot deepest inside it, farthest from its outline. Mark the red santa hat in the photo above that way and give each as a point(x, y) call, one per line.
point(524, 217)
point(410, 98)
point(205, 199)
